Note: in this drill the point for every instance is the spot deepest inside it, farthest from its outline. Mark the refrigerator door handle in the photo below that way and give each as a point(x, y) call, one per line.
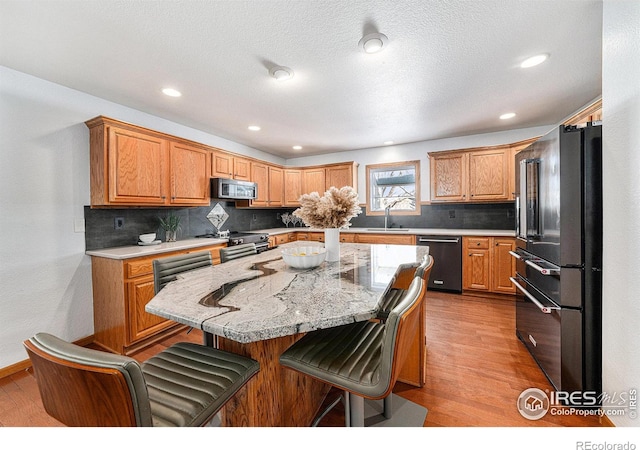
point(544, 309)
point(550, 270)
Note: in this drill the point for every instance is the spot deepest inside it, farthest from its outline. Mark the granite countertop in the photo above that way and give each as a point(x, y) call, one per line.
point(134, 251)
point(259, 297)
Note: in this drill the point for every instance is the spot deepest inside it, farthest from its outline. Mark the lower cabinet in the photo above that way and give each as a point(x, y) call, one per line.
point(121, 290)
point(487, 264)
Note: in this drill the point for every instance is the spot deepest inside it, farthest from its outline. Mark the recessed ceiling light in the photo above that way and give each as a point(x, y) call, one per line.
point(281, 73)
point(388, 142)
point(171, 92)
point(373, 42)
point(534, 60)
point(507, 116)
point(297, 147)
point(254, 127)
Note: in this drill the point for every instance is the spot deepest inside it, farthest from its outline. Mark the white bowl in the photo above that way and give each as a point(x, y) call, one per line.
point(147, 238)
point(304, 257)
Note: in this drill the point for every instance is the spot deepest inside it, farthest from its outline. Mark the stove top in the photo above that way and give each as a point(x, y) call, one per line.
point(240, 237)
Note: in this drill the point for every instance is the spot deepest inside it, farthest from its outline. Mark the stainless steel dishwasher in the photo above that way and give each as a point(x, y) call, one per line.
point(446, 274)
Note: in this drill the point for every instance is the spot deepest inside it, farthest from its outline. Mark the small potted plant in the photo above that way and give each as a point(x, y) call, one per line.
point(170, 225)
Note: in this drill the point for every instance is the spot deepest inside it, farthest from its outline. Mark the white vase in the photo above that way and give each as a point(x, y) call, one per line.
point(332, 243)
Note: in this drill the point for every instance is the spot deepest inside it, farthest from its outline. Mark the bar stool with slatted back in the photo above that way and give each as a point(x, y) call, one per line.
point(363, 359)
point(166, 269)
point(237, 251)
point(184, 385)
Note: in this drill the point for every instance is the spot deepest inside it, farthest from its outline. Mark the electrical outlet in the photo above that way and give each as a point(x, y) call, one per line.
point(277, 215)
point(452, 214)
point(255, 217)
point(118, 223)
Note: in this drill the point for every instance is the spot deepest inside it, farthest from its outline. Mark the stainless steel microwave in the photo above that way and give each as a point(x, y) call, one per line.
point(226, 188)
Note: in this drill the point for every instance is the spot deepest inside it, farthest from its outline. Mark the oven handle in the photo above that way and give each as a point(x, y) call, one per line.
point(555, 270)
point(544, 309)
point(515, 255)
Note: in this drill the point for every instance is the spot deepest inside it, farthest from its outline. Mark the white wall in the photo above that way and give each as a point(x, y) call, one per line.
point(44, 184)
point(416, 151)
point(621, 155)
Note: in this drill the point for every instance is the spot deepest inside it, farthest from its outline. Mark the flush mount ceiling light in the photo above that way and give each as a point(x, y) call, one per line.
point(534, 60)
point(281, 73)
point(388, 142)
point(373, 42)
point(297, 147)
point(507, 116)
point(171, 92)
point(254, 127)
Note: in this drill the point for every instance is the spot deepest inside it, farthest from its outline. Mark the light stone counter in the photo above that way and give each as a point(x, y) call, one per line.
point(134, 251)
point(259, 297)
point(415, 231)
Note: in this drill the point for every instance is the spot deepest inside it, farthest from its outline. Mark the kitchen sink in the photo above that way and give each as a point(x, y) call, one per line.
point(388, 230)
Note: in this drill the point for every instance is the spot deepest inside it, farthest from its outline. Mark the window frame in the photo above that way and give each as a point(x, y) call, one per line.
point(373, 168)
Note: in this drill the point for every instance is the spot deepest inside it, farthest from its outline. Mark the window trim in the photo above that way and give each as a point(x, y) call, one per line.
point(375, 167)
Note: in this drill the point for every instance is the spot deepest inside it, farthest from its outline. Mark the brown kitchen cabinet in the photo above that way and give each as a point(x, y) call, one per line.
point(487, 264)
point(226, 165)
point(448, 176)
point(313, 180)
point(121, 290)
point(270, 182)
point(341, 175)
point(386, 238)
point(134, 166)
point(292, 187)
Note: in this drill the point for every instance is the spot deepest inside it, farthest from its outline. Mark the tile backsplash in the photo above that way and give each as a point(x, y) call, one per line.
point(101, 233)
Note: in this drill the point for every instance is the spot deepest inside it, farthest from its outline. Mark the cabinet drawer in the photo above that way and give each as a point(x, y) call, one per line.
point(138, 268)
point(482, 243)
point(347, 237)
point(282, 239)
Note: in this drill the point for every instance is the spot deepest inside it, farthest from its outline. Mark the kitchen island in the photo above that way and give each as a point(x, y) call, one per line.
point(257, 306)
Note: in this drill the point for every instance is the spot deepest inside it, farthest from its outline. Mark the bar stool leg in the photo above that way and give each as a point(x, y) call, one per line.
point(388, 407)
point(356, 411)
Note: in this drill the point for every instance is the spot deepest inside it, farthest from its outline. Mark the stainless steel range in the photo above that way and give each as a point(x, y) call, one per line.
point(236, 238)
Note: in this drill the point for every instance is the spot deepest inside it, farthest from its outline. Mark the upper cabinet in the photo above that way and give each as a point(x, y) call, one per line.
point(226, 165)
point(313, 180)
point(474, 175)
point(292, 186)
point(341, 175)
point(270, 181)
point(134, 166)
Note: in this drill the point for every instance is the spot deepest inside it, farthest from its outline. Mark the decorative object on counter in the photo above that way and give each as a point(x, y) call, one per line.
point(296, 221)
point(147, 238)
point(331, 212)
point(287, 219)
point(304, 257)
point(218, 216)
point(170, 225)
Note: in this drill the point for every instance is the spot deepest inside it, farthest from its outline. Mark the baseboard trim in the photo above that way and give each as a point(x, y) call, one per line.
point(26, 364)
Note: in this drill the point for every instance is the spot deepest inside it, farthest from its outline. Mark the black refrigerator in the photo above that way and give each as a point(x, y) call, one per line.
point(559, 255)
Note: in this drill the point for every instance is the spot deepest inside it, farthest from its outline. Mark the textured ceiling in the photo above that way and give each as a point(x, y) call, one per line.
point(450, 67)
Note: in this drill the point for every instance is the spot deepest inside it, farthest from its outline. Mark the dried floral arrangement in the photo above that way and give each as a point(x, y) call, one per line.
point(333, 210)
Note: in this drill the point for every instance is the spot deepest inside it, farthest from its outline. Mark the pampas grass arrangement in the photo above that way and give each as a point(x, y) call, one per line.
point(334, 209)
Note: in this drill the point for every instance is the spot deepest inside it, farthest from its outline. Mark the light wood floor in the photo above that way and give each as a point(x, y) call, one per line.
point(476, 367)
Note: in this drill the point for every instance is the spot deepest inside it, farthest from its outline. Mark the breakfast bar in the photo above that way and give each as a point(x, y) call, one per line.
point(258, 306)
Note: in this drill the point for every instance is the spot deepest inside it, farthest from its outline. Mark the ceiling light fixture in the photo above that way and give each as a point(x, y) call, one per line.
point(534, 60)
point(388, 142)
point(507, 116)
point(254, 127)
point(297, 147)
point(373, 42)
point(281, 73)
point(171, 92)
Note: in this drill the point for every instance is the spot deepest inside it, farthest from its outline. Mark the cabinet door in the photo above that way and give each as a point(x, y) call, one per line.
point(221, 165)
point(141, 323)
point(372, 238)
point(292, 187)
point(489, 175)
point(313, 180)
point(476, 265)
point(136, 167)
point(504, 265)
point(448, 177)
point(241, 169)
point(339, 176)
point(276, 186)
point(189, 171)
point(260, 176)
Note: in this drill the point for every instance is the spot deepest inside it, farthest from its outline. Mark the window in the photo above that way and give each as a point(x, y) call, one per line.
point(395, 186)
